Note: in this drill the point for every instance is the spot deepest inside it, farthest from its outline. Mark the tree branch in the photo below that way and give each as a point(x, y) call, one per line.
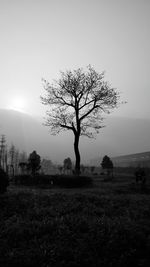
point(86, 104)
point(87, 113)
point(66, 126)
point(63, 100)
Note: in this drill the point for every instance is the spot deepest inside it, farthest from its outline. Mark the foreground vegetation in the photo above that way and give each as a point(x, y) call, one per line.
point(105, 225)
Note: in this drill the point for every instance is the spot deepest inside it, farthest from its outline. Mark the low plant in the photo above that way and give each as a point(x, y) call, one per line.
point(4, 181)
point(80, 229)
point(69, 181)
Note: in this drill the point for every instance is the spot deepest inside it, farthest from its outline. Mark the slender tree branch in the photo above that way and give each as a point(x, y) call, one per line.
point(86, 104)
point(89, 111)
point(66, 126)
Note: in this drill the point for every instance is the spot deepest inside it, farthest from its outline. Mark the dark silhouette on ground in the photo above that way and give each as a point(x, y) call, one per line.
point(107, 165)
point(140, 175)
point(34, 161)
point(4, 181)
point(67, 165)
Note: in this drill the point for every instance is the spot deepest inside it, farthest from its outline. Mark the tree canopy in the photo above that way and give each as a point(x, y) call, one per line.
point(78, 97)
point(67, 164)
point(34, 161)
point(107, 163)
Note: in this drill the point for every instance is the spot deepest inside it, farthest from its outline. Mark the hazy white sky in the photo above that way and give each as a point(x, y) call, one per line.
point(39, 38)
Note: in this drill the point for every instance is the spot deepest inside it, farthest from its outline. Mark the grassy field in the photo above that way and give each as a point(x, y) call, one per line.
point(105, 225)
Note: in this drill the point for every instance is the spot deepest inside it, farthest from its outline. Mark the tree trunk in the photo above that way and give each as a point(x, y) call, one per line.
point(13, 171)
point(77, 154)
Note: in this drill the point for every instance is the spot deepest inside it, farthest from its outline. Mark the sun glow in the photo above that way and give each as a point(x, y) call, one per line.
point(18, 103)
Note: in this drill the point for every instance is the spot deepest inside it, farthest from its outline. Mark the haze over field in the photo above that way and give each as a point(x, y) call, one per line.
point(117, 138)
point(40, 38)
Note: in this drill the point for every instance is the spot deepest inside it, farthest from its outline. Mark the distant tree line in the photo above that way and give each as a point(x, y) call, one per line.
point(10, 157)
point(12, 160)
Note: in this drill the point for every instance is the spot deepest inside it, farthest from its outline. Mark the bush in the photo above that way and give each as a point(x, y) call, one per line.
point(30, 180)
point(68, 181)
point(72, 181)
point(4, 181)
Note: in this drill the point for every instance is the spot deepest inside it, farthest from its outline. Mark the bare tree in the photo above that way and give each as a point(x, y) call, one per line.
point(12, 151)
point(108, 165)
point(77, 102)
point(34, 161)
point(2, 151)
point(67, 164)
point(16, 161)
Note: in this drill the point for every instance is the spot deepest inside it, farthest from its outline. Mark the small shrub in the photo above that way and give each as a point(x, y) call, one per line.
point(72, 181)
point(22, 179)
point(68, 181)
point(30, 180)
point(4, 181)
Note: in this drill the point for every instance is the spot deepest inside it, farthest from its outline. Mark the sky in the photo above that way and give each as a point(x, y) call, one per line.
point(40, 38)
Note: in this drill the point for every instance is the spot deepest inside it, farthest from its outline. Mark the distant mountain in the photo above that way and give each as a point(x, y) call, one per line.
point(126, 135)
point(120, 136)
point(27, 133)
point(134, 160)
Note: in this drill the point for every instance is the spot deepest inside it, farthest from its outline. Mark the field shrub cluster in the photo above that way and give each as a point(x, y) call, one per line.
point(4, 181)
point(68, 181)
point(88, 229)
